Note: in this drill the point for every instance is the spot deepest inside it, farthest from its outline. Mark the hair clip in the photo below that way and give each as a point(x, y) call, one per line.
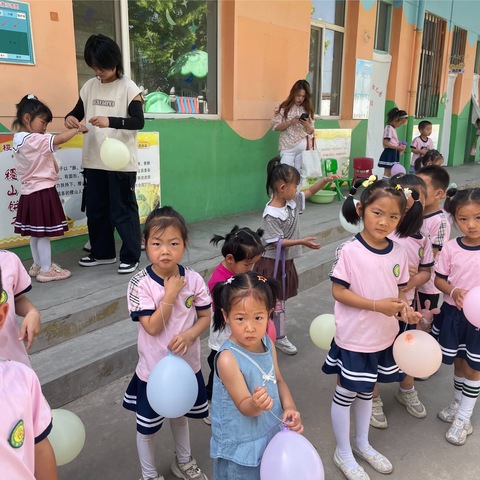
point(407, 191)
point(31, 96)
point(261, 278)
point(229, 280)
point(3, 297)
point(370, 180)
point(398, 187)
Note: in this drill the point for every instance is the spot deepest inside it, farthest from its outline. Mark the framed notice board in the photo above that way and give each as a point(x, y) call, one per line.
point(16, 44)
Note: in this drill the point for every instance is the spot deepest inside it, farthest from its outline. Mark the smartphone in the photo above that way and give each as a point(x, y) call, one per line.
point(304, 116)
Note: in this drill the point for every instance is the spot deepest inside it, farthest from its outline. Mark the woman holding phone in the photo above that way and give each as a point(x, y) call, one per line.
point(294, 119)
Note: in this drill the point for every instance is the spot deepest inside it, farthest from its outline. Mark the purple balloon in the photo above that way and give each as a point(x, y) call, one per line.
point(290, 455)
point(398, 168)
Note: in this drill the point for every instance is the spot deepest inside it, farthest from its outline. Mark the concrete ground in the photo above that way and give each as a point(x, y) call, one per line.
point(416, 447)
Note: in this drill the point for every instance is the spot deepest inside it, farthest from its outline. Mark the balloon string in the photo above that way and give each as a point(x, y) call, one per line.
point(163, 320)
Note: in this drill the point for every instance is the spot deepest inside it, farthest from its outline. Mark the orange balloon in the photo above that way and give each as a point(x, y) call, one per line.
point(417, 353)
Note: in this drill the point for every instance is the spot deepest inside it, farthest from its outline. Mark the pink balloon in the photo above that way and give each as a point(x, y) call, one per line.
point(271, 331)
point(397, 168)
point(471, 306)
point(417, 353)
point(290, 455)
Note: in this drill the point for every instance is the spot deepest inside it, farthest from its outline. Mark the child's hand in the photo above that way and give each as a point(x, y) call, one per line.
point(458, 296)
point(409, 315)
point(30, 328)
point(174, 284)
point(101, 122)
point(82, 129)
point(331, 178)
point(309, 242)
point(261, 399)
point(291, 418)
point(389, 306)
point(401, 147)
point(179, 343)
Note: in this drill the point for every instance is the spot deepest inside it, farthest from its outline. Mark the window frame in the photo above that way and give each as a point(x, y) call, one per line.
point(322, 26)
point(122, 37)
point(388, 28)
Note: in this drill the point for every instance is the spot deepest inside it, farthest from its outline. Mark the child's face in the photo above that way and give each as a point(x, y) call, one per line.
point(380, 218)
point(106, 75)
point(438, 161)
point(433, 194)
point(426, 131)
point(467, 217)
point(37, 125)
point(398, 122)
point(300, 97)
point(248, 322)
point(165, 250)
point(242, 266)
point(288, 190)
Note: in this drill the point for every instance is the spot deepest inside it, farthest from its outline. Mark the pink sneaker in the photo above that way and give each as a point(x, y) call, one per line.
point(55, 273)
point(34, 270)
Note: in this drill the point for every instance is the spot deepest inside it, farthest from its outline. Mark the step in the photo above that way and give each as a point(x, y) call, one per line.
point(86, 362)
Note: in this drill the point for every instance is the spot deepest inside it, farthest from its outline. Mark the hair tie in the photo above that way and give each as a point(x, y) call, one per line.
point(261, 278)
point(369, 181)
point(31, 96)
point(229, 280)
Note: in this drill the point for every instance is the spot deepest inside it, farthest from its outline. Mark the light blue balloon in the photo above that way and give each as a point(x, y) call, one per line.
point(172, 387)
point(290, 455)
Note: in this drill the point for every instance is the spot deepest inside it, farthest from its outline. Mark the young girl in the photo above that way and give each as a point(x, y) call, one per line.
point(172, 306)
point(112, 104)
point(280, 221)
point(15, 341)
point(457, 272)
point(25, 417)
point(293, 126)
point(40, 214)
point(241, 249)
point(250, 397)
point(392, 147)
point(368, 274)
point(432, 157)
point(420, 260)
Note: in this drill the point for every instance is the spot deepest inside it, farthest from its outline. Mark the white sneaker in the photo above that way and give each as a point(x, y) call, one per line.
point(187, 471)
point(458, 432)
point(286, 346)
point(448, 413)
point(411, 402)
point(378, 418)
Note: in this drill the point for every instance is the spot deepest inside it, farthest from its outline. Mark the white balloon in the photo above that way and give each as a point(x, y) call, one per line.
point(73, 207)
point(114, 154)
point(67, 436)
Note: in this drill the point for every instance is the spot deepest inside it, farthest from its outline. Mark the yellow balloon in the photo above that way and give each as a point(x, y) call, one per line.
point(417, 353)
point(114, 154)
point(322, 330)
point(67, 436)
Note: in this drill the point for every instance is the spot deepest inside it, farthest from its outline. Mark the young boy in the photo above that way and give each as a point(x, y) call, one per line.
point(25, 419)
point(435, 224)
point(421, 144)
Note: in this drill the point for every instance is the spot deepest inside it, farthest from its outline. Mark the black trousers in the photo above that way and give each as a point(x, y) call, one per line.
point(111, 204)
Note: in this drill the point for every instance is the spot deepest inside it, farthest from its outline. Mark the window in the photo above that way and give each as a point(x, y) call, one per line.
point(172, 47)
point(457, 57)
point(383, 26)
point(430, 75)
point(326, 55)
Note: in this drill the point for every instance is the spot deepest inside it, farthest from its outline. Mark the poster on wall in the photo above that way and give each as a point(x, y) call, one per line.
point(333, 143)
point(361, 94)
point(70, 185)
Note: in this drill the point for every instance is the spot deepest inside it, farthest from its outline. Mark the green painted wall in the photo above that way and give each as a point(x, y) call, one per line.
point(458, 140)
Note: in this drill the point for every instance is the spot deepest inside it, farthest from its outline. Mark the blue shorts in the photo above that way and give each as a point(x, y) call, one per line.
point(226, 469)
point(359, 371)
point(457, 337)
point(148, 420)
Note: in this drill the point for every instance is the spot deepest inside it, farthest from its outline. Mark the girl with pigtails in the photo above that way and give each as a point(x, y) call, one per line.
point(367, 277)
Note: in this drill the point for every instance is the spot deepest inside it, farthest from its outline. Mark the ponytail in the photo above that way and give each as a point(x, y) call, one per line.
point(280, 173)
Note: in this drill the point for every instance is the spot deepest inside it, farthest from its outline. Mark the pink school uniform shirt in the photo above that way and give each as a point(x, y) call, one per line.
point(21, 400)
point(145, 292)
point(419, 144)
point(391, 134)
point(419, 254)
point(16, 281)
point(35, 162)
point(460, 265)
point(437, 228)
point(373, 274)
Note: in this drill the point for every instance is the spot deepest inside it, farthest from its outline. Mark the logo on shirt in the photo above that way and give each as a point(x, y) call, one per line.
point(421, 252)
point(104, 103)
point(18, 435)
point(396, 270)
point(189, 301)
point(3, 297)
